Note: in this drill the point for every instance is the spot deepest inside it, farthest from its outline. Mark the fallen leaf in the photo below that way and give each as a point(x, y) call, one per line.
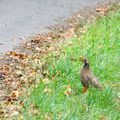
point(102, 10)
point(46, 81)
point(21, 117)
point(38, 49)
point(47, 90)
point(14, 95)
point(68, 90)
point(5, 69)
point(1, 112)
point(102, 117)
point(14, 113)
point(16, 55)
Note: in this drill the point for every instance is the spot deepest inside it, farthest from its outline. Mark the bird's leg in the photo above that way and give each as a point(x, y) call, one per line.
point(85, 89)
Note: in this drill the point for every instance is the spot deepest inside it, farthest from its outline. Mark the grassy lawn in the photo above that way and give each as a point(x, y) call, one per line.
point(59, 95)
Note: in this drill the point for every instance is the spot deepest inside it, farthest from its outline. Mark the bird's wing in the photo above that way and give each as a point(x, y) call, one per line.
point(84, 80)
point(93, 80)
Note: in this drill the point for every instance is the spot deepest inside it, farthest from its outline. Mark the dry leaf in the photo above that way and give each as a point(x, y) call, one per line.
point(32, 73)
point(68, 90)
point(14, 94)
point(38, 49)
point(5, 69)
point(68, 34)
point(14, 113)
point(46, 81)
point(47, 90)
point(15, 55)
point(1, 112)
point(20, 118)
point(47, 116)
point(102, 10)
point(102, 117)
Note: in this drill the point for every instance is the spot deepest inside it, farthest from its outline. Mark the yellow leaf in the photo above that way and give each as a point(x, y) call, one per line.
point(46, 81)
point(47, 90)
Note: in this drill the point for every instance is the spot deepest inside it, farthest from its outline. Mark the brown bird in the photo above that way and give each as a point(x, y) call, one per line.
point(88, 78)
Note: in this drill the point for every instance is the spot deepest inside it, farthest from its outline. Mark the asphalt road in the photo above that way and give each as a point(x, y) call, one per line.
point(23, 18)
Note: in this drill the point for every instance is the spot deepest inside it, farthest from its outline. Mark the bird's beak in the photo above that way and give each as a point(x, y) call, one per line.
point(83, 59)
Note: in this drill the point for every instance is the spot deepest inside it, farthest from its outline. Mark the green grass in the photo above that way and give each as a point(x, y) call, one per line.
point(101, 45)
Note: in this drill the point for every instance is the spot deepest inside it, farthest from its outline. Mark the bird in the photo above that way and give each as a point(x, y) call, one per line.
point(87, 77)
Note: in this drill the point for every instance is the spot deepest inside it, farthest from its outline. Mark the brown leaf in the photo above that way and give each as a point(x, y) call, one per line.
point(20, 117)
point(1, 112)
point(16, 55)
point(14, 113)
point(68, 90)
point(102, 117)
point(14, 95)
point(102, 10)
point(5, 69)
point(46, 81)
point(47, 90)
point(68, 34)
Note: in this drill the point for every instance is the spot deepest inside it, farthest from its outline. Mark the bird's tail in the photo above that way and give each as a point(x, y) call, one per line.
point(100, 87)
